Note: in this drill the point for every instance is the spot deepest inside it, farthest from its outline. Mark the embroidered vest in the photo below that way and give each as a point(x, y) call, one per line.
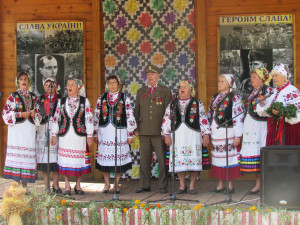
point(223, 109)
point(110, 113)
point(251, 104)
point(190, 117)
point(52, 110)
point(78, 120)
point(20, 106)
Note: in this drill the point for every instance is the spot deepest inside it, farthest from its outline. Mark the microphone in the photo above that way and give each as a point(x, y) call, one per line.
point(1, 94)
point(123, 86)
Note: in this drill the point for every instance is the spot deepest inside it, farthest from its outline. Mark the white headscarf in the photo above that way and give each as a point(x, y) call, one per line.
point(230, 81)
point(281, 68)
point(53, 80)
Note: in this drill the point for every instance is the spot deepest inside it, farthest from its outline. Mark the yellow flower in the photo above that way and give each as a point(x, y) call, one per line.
point(200, 206)
point(227, 210)
point(135, 207)
point(220, 109)
point(63, 202)
point(131, 6)
point(158, 59)
point(253, 207)
point(125, 210)
point(196, 207)
point(269, 210)
point(136, 143)
point(137, 201)
point(142, 205)
point(134, 87)
point(182, 33)
point(133, 35)
point(29, 210)
point(180, 5)
point(110, 61)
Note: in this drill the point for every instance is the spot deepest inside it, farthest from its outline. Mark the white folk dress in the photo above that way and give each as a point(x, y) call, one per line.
point(41, 141)
point(20, 160)
point(188, 142)
point(254, 138)
point(106, 138)
point(73, 159)
point(218, 140)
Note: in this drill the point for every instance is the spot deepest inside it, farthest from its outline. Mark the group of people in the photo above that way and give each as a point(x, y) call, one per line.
point(236, 129)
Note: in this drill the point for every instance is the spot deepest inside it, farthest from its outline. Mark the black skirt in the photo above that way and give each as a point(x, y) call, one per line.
point(53, 167)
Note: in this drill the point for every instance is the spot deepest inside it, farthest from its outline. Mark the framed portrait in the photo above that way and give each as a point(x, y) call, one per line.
point(252, 41)
point(47, 49)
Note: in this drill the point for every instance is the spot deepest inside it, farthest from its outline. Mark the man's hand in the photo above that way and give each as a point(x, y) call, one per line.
point(168, 140)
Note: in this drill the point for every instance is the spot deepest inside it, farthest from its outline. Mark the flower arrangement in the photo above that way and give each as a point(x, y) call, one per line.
point(47, 209)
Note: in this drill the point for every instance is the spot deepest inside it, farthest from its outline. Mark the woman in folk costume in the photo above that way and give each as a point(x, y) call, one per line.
point(113, 110)
point(192, 130)
point(73, 124)
point(223, 106)
point(289, 96)
point(255, 126)
point(51, 87)
point(19, 114)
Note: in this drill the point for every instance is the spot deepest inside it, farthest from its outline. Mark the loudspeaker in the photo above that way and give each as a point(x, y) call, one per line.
point(280, 176)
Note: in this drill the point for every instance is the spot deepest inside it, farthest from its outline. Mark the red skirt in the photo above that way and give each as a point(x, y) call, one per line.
point(221, 174)
point(292, 132)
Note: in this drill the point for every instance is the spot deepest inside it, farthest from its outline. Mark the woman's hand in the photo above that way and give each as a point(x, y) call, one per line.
point(129, 140)
point(53, 140)
point(89, 141)
point(32, 114)
point(275, 112)
point(237, 141)
point(168, 140)
point(261, 99)
point(25, 114)
point(205, 140)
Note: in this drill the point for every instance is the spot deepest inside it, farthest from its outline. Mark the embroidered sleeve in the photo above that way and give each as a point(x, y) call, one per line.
point(8, 114)
point(131, 123)
point(97, 115)
point(56, 120)
point(204, 124)
point(166, 124)
point(89, 119)
point(209, 112)
point(293, 98)
point(238, 121)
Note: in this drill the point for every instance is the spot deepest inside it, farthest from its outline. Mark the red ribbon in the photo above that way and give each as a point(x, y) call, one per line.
point(280, 131)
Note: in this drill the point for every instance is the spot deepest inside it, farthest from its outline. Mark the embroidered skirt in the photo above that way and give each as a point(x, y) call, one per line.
point(218, 153)
point(20, 160)
point(254, 138)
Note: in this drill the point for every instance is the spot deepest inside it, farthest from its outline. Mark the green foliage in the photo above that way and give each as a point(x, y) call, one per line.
point(289, 112)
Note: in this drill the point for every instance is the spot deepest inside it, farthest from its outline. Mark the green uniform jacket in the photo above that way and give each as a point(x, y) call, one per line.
point(149, 111)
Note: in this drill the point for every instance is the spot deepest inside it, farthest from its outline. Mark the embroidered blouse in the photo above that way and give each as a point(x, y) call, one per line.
point(72, 105)
point(237, 108)
point(288, 94)
point(131, 123)
point(204, 124)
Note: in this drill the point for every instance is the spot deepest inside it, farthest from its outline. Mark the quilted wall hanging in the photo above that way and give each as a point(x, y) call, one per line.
point(137, 33)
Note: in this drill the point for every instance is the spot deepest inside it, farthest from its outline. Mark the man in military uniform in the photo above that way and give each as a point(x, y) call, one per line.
point(150, 105)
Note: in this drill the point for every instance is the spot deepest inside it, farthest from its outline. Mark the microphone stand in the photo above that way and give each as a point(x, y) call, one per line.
point(173, 197)
point(47, 144)
point(114, 115)
point(228, 197)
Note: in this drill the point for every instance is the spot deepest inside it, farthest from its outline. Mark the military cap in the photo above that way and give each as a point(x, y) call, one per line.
point(153, 69)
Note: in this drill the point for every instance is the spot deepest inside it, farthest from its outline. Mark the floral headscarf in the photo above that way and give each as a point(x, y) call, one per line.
point(189, 82)
point(264, 75)
point(230, 81)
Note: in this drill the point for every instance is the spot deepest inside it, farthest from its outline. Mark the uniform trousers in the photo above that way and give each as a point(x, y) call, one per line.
point(148, 143)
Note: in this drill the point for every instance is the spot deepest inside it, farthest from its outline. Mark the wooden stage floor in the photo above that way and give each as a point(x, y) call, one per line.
point(128, 187)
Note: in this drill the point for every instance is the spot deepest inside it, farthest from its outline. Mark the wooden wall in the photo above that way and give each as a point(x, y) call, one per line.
point(13, 11)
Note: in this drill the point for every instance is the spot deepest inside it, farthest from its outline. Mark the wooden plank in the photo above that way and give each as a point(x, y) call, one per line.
point(39, 2)
point(60, 8)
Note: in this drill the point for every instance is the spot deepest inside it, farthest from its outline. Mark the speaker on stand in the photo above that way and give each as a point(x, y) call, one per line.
point(280, 176)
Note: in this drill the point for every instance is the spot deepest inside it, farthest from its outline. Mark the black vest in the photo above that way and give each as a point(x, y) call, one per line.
point(190, 117)
point(20, 106)
point(223, 109)
point(251, 104)
point(78, 120)
point(52, 110)
point(110, 113)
